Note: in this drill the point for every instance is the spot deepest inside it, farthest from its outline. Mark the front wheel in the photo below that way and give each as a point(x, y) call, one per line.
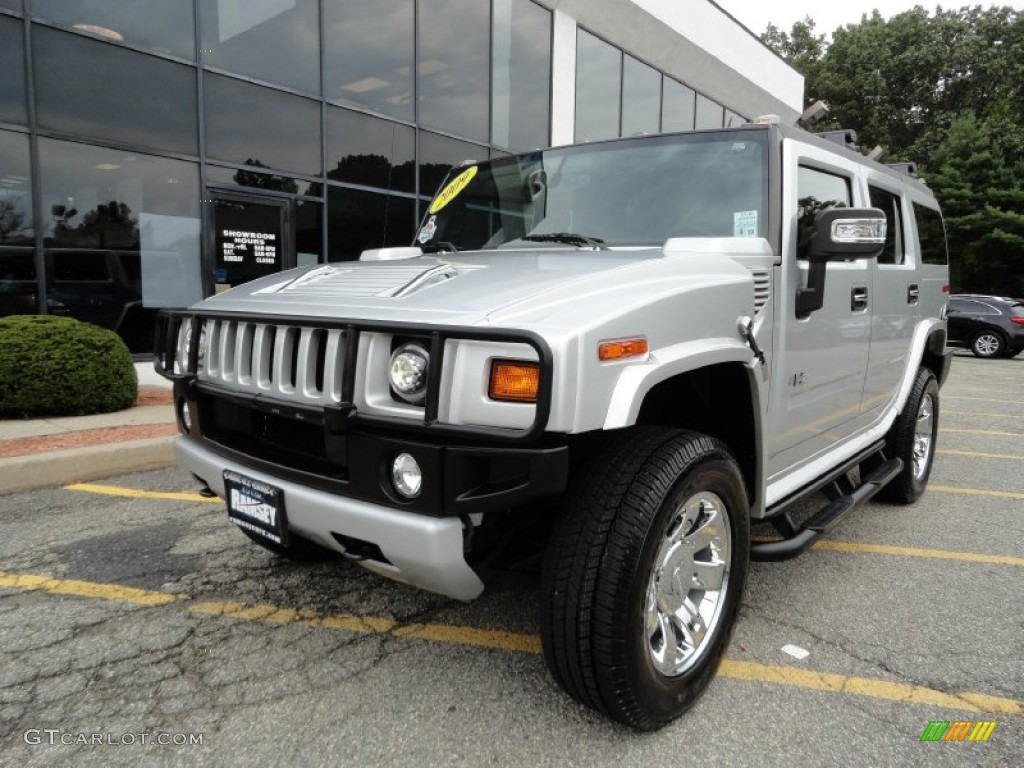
point(644, 575)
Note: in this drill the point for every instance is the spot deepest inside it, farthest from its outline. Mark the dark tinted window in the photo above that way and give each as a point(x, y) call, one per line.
point(256, 179)
point(370, 151)
point(677, 106)
point(80, 267)
point(892, 252)
point(454, 67)
point(273, 40)
point(309, 238)
point(164, 26)
point(521, 92)
point(97, 89)
point(17, 281)
point(358, 220)
point(598, 87)
point(641, 98)
point(817, 191)
point(16, 226)
point(931, 234)
point(258, 126)
point(14, 5)
point(369, 55)
point(437, 156)
point(709, 113)
point(12, 71)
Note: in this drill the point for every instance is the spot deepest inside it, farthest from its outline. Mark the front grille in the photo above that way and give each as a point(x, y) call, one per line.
point(298, 364)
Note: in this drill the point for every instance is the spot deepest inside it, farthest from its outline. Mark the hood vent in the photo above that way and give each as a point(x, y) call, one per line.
point(366, 280)
point(762, 288)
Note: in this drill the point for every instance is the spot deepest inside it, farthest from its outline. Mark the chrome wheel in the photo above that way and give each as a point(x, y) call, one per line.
point(987, 344)
point(923, 436)
point(688, 584)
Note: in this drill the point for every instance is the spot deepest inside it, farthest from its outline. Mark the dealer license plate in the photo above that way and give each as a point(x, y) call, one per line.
point(256, 507)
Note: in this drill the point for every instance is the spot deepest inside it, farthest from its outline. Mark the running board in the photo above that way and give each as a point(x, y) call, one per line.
point(828, 517)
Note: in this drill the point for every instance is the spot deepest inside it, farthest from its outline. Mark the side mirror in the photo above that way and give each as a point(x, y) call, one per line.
point(840, 234)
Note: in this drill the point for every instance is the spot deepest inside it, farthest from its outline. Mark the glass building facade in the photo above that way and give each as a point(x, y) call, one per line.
point(153, 152)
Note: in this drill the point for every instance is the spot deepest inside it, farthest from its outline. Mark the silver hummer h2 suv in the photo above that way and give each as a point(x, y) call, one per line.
point(613, 357)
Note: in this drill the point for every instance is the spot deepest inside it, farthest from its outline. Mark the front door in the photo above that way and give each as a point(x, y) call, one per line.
point(251, 238)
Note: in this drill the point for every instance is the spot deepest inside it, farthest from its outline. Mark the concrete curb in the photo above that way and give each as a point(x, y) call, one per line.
point(25, 473)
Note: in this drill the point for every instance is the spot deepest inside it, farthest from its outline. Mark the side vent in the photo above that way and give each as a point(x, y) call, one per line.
point(762, 288)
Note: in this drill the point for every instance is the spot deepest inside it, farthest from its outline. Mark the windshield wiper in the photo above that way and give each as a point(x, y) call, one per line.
point(439, 247)
point(570, 238)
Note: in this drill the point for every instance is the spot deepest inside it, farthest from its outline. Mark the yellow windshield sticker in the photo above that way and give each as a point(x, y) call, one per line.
point(451, 191)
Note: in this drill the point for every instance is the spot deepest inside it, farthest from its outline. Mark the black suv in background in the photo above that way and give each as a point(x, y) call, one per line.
point(989, 326)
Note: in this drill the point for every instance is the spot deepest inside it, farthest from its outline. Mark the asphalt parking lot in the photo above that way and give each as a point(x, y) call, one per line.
point(133, 609)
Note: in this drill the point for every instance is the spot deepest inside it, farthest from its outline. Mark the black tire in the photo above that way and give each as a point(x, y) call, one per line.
point(299, 549)
point(597, 576)
point(911, 483)
point(988, 344)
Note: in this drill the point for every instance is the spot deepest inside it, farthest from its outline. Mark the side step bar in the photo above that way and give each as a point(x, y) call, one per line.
point(828, 517)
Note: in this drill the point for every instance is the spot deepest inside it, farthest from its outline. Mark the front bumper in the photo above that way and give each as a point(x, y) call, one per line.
point(426, 552)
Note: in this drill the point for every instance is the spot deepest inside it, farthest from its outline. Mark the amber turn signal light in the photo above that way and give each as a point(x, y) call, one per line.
point(516, 382)
point(621, 349)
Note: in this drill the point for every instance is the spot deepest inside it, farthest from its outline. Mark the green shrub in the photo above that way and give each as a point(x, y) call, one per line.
point(53, 366)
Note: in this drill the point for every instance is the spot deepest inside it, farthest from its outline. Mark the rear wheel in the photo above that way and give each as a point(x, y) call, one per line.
point(299, 549)
point(988, 344)
point(644, 576)
point(912, 439)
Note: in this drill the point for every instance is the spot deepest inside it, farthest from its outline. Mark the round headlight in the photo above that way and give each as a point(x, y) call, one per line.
point(406, 475)
point(407, 372)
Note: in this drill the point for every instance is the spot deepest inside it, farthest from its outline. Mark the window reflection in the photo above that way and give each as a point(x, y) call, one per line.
point(598, 84)
point(12, 72)
point(255, 179)
point(121, 94)
point(641, 98)
point(164, 26)
point(733, 120)
point(121, 235)
point(15, 190)
point(453, 68)
point(437, 156)
point(521, 91)
point(370, 151)
point(358, 220)
point(369, 55)
point(273, 40)
point(678, 106)
point(14, 5)
point(252, 125)
point(709, 113)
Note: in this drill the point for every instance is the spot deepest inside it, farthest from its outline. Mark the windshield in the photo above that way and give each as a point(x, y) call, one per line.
point(638, 192)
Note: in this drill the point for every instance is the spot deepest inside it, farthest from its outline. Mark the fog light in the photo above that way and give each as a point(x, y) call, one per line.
point(184, 416)
point(406, 475)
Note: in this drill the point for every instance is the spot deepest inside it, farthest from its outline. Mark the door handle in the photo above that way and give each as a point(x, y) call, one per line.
point(859, 298)
point(913, 294)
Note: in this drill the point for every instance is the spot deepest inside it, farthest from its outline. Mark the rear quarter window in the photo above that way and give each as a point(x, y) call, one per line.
point(931, 234)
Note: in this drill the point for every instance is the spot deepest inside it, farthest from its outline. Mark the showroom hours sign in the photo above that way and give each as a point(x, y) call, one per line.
point(240, 246)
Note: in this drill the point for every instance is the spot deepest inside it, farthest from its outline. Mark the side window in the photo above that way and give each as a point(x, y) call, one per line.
point(959, 305)
point(817, 191)
point(932, 235)
point(889, 203)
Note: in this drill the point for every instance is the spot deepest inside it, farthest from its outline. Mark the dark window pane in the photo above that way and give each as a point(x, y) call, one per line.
point(437, 156)
point(677, 107)
point(358, 220)
point(817, 191)
point(122, 235)
point(598, 83)
point(932, 235)
point(234, 177)
point(14, 5)
point(252, 125)
point(369, 57)
point(17, 281)
point(164, 26)
point(87, 87)
point(733, 120)
point(709, 113)
point(16, 226)
point(453, 67)
point(273, 40)
point(641, 98)
point(370, 151)
point(892, 252)
point(309, 237)
point(12, 71)
point(520, 112)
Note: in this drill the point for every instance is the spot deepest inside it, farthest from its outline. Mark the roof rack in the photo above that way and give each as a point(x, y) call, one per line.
point(846, 137)
point(908, 168)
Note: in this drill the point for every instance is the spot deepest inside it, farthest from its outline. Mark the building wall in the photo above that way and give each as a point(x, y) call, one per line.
point(158, 151)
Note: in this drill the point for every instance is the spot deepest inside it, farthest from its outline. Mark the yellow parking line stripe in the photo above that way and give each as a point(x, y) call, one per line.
point(975, 492)
point(997, 433)
point(980, 413)
point(114, 592)
point(132, 493)
point(941, 554)
point(983, 455)
point(983, 399)
point(517, 642)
